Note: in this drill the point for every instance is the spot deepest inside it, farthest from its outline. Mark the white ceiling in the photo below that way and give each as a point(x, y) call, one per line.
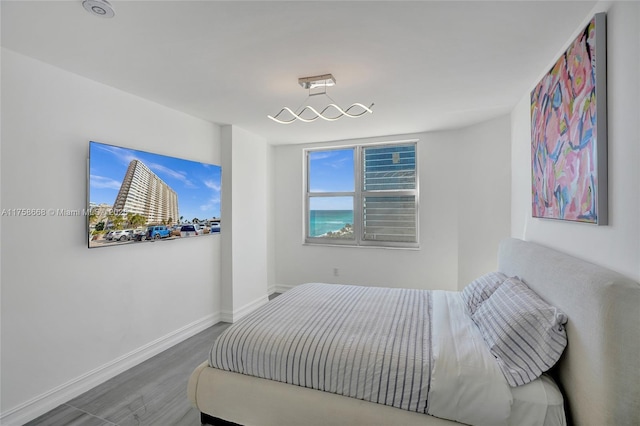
point(427, 65)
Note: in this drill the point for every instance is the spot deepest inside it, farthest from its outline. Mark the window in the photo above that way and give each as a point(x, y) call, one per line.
point(365, 195)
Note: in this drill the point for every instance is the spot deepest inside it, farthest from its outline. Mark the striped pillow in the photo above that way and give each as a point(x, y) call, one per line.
point(524, 333)
point(480, 289)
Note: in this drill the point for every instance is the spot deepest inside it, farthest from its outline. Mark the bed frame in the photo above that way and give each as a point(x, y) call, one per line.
point(599, 372)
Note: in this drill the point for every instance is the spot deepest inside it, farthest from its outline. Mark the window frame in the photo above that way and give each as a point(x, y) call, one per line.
point(359, 195)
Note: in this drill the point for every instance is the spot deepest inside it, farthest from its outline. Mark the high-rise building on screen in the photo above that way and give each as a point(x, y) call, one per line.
point(144, 193)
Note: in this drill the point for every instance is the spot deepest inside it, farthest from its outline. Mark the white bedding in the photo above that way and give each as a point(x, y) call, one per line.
point(539, 402)
point(466, 385)
point(463, 391)
point(458, 379)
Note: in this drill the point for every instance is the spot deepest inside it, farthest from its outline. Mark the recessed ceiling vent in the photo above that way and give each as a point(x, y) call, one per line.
point(100, 8)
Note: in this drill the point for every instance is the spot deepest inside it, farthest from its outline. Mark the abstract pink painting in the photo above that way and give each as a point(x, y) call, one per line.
point(569, 132)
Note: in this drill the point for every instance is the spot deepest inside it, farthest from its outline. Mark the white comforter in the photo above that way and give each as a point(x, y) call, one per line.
point(412, 349)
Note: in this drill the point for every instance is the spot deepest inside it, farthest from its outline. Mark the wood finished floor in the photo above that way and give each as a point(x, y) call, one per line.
point(151, 393)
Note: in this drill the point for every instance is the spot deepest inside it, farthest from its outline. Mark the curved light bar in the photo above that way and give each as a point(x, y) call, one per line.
point(341, 113)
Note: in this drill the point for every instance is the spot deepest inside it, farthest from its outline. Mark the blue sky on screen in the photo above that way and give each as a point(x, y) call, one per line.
point(331, 171)
point(197, 184)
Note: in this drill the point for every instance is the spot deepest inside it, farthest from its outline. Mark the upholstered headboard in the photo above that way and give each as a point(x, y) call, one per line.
point(599, 372)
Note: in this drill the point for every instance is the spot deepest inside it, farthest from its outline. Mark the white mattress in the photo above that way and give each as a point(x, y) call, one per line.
point(537, 403)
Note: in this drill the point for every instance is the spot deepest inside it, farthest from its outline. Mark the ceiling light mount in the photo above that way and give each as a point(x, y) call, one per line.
point(325, 80)
point(309, 114)
point(101, 8)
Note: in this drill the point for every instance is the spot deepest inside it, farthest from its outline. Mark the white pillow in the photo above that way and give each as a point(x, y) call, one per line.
point(480, 289)
point(524, 333)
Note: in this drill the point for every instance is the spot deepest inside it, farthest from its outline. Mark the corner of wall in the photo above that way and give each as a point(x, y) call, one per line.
point(245, 172)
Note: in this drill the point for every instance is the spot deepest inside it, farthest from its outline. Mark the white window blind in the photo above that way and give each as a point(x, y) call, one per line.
point(389, 199)
point(390, 219)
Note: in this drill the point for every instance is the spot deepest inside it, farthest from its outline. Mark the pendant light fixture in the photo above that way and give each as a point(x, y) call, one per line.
point(309, 114)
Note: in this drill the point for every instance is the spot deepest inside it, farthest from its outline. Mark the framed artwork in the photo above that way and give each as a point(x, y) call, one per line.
point(569, 132)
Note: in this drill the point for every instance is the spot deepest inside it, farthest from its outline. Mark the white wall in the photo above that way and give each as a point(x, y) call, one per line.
point(245, 217)
point(617, 245)
point(484, 210)
point(463, 176)
point(75, 314)
point(271, 222)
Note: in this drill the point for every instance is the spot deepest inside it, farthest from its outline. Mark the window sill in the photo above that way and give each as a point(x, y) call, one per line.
point(410, 248)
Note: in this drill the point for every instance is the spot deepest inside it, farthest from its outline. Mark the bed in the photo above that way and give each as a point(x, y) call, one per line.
point(596, 381)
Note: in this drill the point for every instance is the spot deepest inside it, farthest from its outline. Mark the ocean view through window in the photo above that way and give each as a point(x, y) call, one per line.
point(325, 222)
point(331, 188)
point(362, 195)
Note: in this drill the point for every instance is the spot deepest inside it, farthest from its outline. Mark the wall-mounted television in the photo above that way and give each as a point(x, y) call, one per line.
point(137, 197)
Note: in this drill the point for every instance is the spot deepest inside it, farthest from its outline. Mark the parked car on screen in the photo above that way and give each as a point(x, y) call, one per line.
point(215, 227)
point(190, 230)
point(139, 234)
point(157, 231)
point(122, 235)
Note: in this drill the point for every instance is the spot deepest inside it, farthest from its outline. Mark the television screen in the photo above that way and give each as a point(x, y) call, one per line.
point(136, 197)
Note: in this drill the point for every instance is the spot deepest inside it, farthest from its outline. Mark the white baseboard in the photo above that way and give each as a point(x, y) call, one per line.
point(47, 401)
point(280, 288)
point(228, 316)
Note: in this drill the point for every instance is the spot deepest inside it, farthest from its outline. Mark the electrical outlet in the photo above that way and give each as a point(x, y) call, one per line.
point(336, 272)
